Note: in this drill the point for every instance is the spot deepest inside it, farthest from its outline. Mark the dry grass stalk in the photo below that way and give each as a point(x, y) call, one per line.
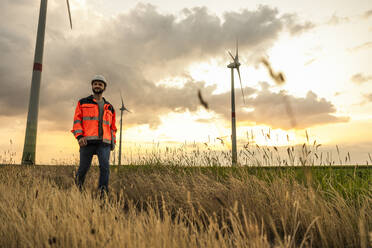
point(169, 207)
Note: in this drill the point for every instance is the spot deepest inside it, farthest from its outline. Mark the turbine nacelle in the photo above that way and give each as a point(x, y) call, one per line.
point(123, 108)
point(235, 65)
point(231, 65)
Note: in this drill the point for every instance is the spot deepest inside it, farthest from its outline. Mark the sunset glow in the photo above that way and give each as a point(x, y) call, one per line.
point(160, 54)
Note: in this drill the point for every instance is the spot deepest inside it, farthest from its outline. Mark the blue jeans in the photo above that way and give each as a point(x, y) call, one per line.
point(86, 154)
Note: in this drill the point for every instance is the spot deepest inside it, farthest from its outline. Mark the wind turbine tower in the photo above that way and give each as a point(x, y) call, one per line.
point(234, 65)
point(29, 148)
point(122, 109)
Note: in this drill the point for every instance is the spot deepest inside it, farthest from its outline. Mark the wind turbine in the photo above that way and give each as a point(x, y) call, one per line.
point(234, 65)
point(122, 109)
point(29, 148)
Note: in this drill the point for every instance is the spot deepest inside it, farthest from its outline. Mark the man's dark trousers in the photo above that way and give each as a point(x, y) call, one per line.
point(86, 154)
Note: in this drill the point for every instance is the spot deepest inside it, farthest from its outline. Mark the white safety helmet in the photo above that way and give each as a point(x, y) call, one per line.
point(99, 78)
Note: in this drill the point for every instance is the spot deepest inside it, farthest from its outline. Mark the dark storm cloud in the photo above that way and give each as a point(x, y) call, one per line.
point(267, 107)
point(135, 49)
point(270, 109)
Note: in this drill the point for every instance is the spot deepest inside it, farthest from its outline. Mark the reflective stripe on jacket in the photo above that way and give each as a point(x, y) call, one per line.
point(86, 120)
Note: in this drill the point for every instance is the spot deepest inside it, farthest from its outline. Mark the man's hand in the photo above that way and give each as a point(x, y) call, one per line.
point(83, 142)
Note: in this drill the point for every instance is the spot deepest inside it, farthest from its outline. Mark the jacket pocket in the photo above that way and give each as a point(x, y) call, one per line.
point(108, 116)
point(88, 111)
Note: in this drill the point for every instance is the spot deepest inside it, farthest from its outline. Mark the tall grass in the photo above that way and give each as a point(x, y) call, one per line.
point(249, 154)
point(218, 153)
point(166, 206)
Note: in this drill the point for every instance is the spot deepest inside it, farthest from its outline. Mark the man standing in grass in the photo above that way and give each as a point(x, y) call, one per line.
point(94, 128)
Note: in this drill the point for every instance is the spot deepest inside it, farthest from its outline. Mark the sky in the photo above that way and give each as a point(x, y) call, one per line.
point(158, 54)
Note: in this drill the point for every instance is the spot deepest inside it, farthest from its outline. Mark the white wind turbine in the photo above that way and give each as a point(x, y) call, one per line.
point(122, 109)
point(29, 148)
point(234, 65)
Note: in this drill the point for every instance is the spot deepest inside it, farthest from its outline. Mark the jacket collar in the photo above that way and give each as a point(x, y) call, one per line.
point(92, 97)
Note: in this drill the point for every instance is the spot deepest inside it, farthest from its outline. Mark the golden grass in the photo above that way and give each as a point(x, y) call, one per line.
point(173, 207)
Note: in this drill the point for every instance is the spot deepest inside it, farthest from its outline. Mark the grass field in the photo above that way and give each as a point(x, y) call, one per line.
point(170, 206)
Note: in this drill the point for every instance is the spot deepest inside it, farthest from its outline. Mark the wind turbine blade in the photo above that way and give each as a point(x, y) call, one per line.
point(122, 102)
point(241, 86)
point(69, 12)
point(231, 55)
point(237, 49)
point(127, 110)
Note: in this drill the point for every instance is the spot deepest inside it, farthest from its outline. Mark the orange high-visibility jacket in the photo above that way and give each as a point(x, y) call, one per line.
point(86, 121)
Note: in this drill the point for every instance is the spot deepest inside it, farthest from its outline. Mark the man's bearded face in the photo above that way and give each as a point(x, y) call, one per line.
point(98, 87)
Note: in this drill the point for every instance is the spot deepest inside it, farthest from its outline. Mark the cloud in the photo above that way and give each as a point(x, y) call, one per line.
point(336, 20)
point(366, 45)
point(368, 14)
point(360, 78)
point(368, 97)
point(269, 108)
point(133, 50)
point(294, 26)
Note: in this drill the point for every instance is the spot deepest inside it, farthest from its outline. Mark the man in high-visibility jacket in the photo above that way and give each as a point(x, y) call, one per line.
point(94, 128)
